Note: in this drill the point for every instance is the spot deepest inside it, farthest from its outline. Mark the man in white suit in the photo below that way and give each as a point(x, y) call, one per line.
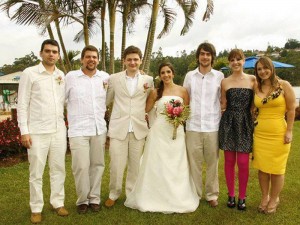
point(41, 122)
point(128, 90)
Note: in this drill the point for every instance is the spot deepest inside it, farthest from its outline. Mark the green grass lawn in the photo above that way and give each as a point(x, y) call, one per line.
point(14, 200)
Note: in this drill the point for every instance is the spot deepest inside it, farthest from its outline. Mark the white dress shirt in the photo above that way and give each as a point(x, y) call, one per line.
point(205, 94)
point(40, 100)
point(131, 83)
point(86, 106)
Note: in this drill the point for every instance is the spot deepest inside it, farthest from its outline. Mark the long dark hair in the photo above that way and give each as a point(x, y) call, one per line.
point(160, 88)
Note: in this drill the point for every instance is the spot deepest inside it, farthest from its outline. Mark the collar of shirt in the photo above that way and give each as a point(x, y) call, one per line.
point(42, 69)
point(136, 76)
point(197, 72)
point(82, 73)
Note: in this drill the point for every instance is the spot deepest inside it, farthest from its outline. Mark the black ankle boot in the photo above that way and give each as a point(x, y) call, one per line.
point(241, 204)
point(231, 202)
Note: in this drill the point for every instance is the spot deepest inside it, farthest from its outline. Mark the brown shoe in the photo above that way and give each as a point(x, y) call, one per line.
point(109, 203)
point(95, 207)
point(82, 209)
point(213, 203)
point(36, 218)
point(61, 211)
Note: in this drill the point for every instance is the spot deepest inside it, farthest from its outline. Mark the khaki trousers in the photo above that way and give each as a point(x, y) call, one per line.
point(88, 166)
point(126, 152)
point(203, 147)
point(54, 147)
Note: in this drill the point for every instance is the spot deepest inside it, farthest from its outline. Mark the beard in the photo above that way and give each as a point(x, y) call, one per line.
point(205, 64)
point(91, 68)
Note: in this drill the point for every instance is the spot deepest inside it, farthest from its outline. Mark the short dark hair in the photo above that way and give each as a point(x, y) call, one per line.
point(50, 42)
point(89, 48)
point(132, 50)
point(206, 47)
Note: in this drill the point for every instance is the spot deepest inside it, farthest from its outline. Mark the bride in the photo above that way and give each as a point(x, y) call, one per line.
point(164, 183)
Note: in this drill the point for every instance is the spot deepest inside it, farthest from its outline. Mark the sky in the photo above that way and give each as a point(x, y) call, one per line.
point(245, 24)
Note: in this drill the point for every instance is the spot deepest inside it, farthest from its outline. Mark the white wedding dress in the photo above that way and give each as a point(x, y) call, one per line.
point(164, 183)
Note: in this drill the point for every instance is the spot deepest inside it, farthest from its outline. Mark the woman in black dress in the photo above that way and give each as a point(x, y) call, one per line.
point(236, 126)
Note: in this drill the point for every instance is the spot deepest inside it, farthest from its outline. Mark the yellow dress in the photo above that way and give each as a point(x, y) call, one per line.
point(269, 151)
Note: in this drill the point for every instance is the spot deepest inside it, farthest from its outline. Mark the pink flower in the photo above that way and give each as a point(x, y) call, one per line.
point(169, 108)
point(177, 110)
point(145, 87)
point(59, 79)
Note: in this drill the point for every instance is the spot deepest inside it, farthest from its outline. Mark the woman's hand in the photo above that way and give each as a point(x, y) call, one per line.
point(288, 137)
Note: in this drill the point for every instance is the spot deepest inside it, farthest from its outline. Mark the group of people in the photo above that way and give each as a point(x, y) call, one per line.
point(164, 174)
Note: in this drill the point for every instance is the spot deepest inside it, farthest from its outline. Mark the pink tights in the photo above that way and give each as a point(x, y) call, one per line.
point(242, 160)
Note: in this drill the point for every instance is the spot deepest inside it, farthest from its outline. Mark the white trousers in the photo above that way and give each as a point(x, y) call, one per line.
point(88, 166)
point(54, 147)
point(128, 151)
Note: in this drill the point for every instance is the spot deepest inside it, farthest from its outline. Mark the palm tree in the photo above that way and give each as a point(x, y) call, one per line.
point(31, 12)
point(188, 7)
point(129, 10)
point(112, 6)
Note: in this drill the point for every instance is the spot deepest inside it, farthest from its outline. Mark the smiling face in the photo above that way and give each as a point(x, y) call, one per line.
point(132, 62)
point(205, 58)
point(166, 74)
point(49, 55)
point(90, 61)
point(263, 71)
point(236, 60)
point(236, 64)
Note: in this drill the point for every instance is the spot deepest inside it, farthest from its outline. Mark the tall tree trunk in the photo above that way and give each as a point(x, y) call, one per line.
point(85, 24)
point(150, 38)
point(63, 48)
point(124, 34)
point(112, 4)
point(103, 47)
point(60, 61)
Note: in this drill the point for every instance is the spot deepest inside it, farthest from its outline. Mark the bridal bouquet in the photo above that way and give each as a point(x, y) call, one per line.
point(176, 113)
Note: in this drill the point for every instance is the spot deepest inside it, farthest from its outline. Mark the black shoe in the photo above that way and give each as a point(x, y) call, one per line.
point(82, 209)
point(241, 204)
point(95, 207)
point(231, 202)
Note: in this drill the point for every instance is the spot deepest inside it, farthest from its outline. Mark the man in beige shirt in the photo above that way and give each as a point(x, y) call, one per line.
point(41, 121)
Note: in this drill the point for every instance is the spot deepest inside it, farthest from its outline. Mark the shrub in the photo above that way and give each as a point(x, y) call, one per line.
point(10, 138)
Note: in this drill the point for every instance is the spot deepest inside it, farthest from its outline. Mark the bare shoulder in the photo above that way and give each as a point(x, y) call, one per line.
point(285, 84)
point(251, 77)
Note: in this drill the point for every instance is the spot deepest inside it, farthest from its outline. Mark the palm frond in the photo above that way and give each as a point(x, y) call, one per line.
point(169, 19)
point(189, 9)
point(209, 10)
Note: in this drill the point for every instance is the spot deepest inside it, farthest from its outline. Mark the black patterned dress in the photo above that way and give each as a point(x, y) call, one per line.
point(236, 126)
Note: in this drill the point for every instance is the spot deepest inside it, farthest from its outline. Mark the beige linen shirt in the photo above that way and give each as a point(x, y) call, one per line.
point(41, 98)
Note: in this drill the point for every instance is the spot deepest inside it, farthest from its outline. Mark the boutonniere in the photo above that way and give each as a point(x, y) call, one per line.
point(145, 87)
point(59, 79)
point(105, 85)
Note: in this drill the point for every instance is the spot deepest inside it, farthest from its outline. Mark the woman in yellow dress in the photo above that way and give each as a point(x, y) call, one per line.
point(275, 100)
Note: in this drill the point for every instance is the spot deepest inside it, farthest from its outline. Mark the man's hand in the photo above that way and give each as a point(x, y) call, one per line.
point(26, 141)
